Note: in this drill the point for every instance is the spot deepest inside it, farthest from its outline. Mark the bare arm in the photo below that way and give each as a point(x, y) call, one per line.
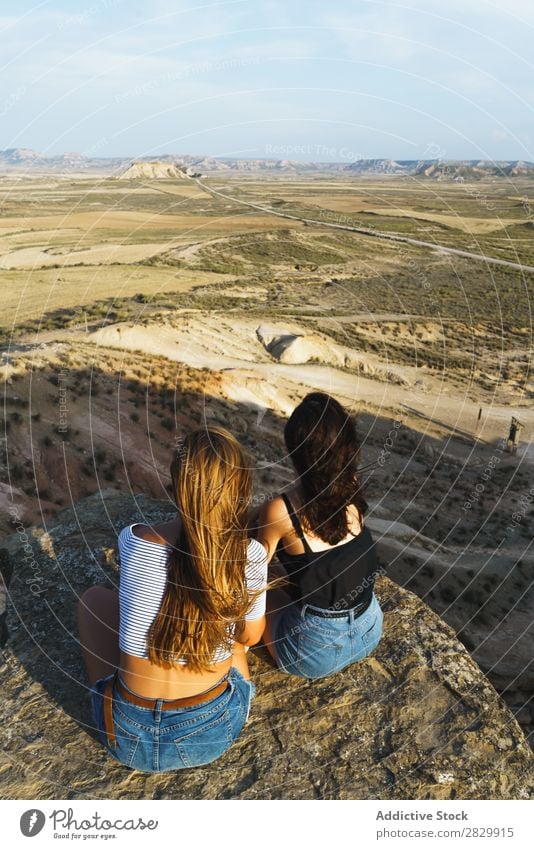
point(272, 525)
point(251, 633)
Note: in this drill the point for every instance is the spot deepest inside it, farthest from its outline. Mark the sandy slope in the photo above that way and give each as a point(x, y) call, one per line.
point(233, 345)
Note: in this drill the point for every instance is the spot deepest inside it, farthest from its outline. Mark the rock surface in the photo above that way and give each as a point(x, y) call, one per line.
point(417, 720)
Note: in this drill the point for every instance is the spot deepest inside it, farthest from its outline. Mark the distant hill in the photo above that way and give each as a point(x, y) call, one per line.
point(442, 170)
point(27, 161)
point(155, 170)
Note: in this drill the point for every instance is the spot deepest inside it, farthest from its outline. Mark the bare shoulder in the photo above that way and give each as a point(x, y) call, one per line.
point(273, 524)
point(355, 519)
point(274, 511)
point(165, 533)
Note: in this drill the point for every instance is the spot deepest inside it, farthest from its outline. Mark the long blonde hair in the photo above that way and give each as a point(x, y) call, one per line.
point(206, 589)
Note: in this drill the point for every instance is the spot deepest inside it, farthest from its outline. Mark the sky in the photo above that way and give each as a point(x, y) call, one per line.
point(299, 79)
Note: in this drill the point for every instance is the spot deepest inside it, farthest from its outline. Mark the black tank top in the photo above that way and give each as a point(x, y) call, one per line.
point(339, 577)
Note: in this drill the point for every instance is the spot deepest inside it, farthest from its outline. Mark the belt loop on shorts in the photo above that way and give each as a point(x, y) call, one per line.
point(303, 610)
point(108, 712)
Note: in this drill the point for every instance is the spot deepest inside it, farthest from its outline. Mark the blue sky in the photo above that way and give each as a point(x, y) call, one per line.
point(330, 81)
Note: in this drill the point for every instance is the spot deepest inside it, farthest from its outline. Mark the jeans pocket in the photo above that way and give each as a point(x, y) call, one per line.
point(371, 635)
point(127, 743)
point(318, 653)
point(206, 742)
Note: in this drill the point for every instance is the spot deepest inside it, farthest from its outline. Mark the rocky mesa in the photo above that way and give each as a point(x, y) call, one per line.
point(418, 719)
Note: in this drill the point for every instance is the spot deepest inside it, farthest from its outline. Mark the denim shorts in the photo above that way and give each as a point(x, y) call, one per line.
point(314, 646)
point(165, 740)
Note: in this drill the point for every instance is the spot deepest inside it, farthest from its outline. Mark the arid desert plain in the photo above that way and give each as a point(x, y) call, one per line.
point(136, 308)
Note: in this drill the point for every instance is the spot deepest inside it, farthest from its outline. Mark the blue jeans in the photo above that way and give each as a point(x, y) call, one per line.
point(165, 740)
point(314, 646)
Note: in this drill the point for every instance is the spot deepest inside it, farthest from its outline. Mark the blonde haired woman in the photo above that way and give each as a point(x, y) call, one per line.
point(165, 656)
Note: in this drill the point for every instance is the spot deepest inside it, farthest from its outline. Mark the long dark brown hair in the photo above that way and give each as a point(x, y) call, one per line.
point(206, 588)
point(324, 448)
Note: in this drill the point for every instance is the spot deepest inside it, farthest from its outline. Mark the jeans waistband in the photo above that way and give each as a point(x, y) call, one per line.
point(172, 704)
point(152, 704)
point(338, 614)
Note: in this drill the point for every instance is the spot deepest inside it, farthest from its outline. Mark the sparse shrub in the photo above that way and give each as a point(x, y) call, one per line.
point(134, 417)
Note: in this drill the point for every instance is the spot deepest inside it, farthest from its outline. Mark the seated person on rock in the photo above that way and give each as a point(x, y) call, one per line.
point(165, 655)
point(327, 616)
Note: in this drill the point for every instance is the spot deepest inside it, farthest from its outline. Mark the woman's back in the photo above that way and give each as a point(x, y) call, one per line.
point(143, 578)
point(166, 655)
point(328, 576)
point(327, 616)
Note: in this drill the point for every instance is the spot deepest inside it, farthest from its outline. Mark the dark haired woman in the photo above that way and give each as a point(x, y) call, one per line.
point(166, 656)
point(329, 616)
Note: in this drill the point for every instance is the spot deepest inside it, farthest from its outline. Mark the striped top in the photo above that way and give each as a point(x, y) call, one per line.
point(143, 576)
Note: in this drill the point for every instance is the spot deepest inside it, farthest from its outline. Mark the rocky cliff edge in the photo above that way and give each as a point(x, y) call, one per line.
point(417, 720)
